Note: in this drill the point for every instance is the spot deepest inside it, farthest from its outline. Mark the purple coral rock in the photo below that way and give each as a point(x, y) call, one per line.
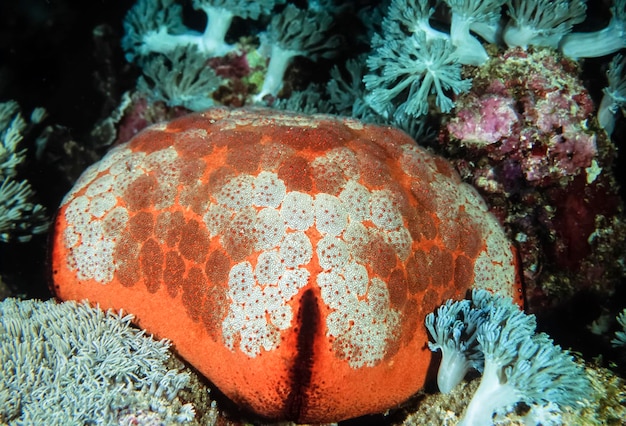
point(485, 120)
point(526, 137)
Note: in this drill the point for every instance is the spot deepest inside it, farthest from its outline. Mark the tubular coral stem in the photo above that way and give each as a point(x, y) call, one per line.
point(465, 13)
point(490, 390)
point(219, 20)
point(295, 32)
point(599, 43)
point(468, 49)
point(280, 60)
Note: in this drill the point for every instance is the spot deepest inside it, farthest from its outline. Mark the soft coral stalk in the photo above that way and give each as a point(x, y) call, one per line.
point(594, 44)
point(295, 32)
point(493, 335)
point(156, 26)
point(465, 13)
point(536, 371)
point(159, 19)
point(220, 14)
point(453, 331)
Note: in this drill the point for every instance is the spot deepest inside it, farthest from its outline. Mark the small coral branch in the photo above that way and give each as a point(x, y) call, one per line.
point(453, 330)
point(152, 25)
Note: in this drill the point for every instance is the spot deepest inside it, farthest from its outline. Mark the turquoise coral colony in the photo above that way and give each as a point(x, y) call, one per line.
point(492, 335)
point(497, 87)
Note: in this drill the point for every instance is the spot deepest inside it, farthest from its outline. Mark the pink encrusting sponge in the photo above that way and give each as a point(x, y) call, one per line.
point(291, 259)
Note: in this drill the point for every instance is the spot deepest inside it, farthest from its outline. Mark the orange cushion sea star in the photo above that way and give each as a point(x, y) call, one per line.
point(289, 258)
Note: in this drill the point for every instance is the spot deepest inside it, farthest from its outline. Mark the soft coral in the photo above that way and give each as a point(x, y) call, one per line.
point(156, 26)
point(519, 365)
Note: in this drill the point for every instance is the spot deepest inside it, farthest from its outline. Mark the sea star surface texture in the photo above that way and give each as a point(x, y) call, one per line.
point(289, 258)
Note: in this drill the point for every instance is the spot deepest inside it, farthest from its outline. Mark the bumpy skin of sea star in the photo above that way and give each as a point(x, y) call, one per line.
point(291, 259)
